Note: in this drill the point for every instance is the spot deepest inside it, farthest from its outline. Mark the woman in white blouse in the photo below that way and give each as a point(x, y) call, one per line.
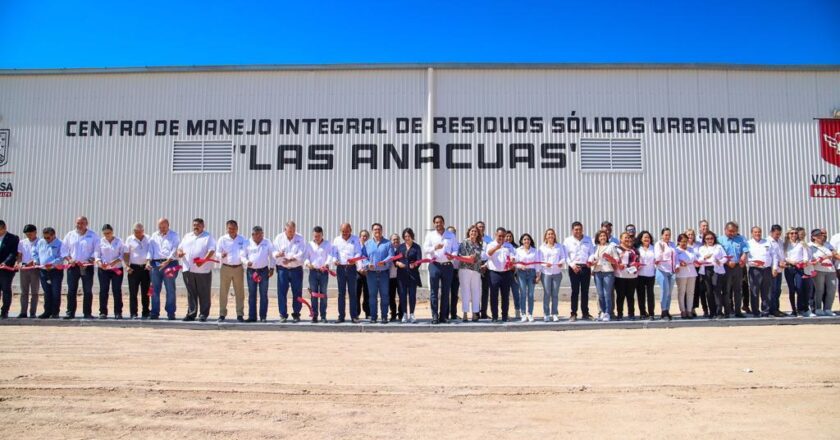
point(527, 275)
point(647, 276)
point(626, 273)
point(712, 257)
point(825, 278)
point(797, 256)
point(665, 259)
point(686, 273)
point(108, 259)
point(700, 297)
point(603, 271)
point(553, 257)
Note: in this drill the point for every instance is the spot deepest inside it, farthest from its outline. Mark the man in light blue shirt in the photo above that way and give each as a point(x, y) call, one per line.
point(49, 253)
point(378, 252)
point(735, 247)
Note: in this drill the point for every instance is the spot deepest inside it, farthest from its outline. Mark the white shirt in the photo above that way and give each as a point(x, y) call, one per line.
point(344, 250)
point(163, 247)
point(712, 257)
point(260, 254)
point(293, 249)
point(197, 246)
point(81, 247)
point(761, 250)
point(835, 243)
point(498, 260)
point(25, 249)
point(624, 258)
point(555, 255)
point(777, 247)
point(688, 257)
point(647, 258)
point(106, 252)
point(233, 247)
point(819, 252)
point(578, 251)
point(664, 254)
point(319, 255)
point(450, 245)
point(137, 250)
point(523, 255)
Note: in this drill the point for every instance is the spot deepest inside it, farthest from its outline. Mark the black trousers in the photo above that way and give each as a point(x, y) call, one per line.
point(485, 292)
point(138, 282)
point(453, 295)
point(85, 274)
point(644, 292)
point(110, 282)
point(6, 290)
point(580, 289)
point(500, 284)
point(732, 288)
point(745, 289)
point(362, 293)
point(393, 287)
point(713, 286)
point(624, 290)
point(198, 293)
point(700, 297)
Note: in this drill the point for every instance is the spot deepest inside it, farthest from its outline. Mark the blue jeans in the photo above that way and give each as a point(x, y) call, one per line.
point(318, 281)
point(604, 282)
point(378, 286)
point(440, 287)
point(775, 292)
point(252, 293)
point(160, 280)
point(551, 293)
point(109, 281)
point(514, 288)
point(346, 275)
point(285, 278)
point(666, 283)
point(527, 278)
point(51, 284)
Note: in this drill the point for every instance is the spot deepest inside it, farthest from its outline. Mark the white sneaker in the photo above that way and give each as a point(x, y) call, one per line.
point(524, 318)
point(412, 319)
point(600, 316)
point(404, 318)
point(555, 318)
point(546, 318)
point(606, 317)
point(530, 318)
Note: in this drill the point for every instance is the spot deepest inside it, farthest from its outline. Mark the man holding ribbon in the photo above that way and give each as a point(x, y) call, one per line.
point(347, 252)
point(259, 257)
point(197, 250)
point(380, 256)
point(108, 256)
point(441, 246)
point(319, 256)
point(289, 251)
point(163, 267)
point(81, 244)
point(231, 250)
point(48, 255)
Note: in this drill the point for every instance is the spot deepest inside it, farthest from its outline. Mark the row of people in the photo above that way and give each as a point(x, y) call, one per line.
point(372, 271)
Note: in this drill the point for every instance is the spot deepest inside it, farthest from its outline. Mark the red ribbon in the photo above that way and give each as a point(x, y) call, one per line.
point(172, 271)
point(468, 260)
point(318, 295)
point(355, 260)
point(303, 301)
point(151, 291)
point(758, 263)
point(327, 270)
point(394, 258)
point(509, 263)
point(256, 277)
point(204, 260)
point(421, 261)
point(827, 263)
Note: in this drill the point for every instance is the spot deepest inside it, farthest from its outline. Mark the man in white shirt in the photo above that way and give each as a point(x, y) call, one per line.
point(579, 248)
point(761, 263)
point(29, 279)
point(485, 276)
point(345, 247)
point(163, 247)
point(498, 254)
point(81, 244)
point(835, 243)
point(319, 256)
point(231, 251)
point(259, 257)
point(196, 247)
point(440, 245)
point(778, 246)
point(136, 259)
point(289, 251)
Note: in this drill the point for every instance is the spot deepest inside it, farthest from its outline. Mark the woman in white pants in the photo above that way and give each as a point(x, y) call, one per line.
point(469, 274)
point(686, 275)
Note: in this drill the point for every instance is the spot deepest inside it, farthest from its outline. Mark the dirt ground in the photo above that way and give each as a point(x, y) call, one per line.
point(731, 382)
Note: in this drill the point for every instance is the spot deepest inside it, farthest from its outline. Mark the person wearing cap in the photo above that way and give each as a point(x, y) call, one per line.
point(136, 260)
point(778, 246)
point(30, 282)
point(440, 245)
point(231, 249)
point(259, 261)
point(319, 256)
point(108, 258)
point(825, 278)
point(735, 247)
point(8, 259)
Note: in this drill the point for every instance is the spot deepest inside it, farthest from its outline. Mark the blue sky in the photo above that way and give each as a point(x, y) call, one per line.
point(65, 34)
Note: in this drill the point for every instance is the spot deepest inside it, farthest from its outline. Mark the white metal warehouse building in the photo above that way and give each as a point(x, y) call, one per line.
point(521, 146)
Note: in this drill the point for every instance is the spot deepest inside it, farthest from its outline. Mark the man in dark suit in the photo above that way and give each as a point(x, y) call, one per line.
point(8, 257)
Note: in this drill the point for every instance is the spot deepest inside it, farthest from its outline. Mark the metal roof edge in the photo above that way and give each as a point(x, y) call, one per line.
point(412, 66)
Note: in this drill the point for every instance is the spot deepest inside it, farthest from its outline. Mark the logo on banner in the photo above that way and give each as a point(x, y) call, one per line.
point(830, 141)
point(4, 146)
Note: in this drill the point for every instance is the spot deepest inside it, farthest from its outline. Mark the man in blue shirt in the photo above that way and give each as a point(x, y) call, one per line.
point(49, 253)
point(735, 247)
point(378, 252)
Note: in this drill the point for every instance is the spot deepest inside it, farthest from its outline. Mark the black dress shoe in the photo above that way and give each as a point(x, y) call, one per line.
point(340, 320)
point(435, 321)
point(240, 319)
point(202, 319)
point(355, 321)
point(4, 315)
point(296, 319)
point(102, 316)
point(69, 316)
point(251, 320)
point(188, 318)
point(89, 317)
point(54, 316)
point(22, 316)
point(262, 320)
point(740, 315)
point(44, 315)
point(117, 316)
point(588, 317)
point(443, 321)
point(314, 320)
point(454, 316)
point(133, 316)
point(221, 319)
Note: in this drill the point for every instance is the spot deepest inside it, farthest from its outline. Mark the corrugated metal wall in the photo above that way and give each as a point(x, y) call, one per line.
point(758, 179)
